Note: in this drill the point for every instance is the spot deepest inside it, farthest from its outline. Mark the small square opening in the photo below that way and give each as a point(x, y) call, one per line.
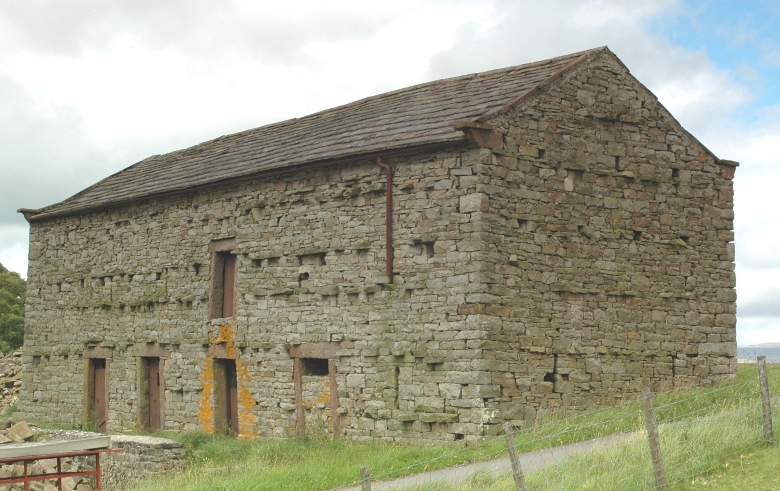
point(427, 248)
point(315, 366)
point(522, 225)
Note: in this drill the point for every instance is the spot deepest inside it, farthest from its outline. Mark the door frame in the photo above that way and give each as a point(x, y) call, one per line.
point(95, 356)
point(149, 350)
point(147, 411)
point(322, 351)
point(226, 419)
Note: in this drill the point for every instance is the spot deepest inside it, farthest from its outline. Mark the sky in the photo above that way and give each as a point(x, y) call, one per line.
point(89, 87)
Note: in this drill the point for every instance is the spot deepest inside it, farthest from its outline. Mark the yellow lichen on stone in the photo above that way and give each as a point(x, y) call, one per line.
point(224, 335)
point(246, 403)
point(206, 406)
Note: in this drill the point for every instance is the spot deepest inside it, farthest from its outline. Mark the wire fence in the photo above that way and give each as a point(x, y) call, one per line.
point(697, 429)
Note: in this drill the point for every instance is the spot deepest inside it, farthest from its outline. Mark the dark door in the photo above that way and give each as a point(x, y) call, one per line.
point(232, 397)
point(99, 399)
point(154, 419)
point(225, 397)
point(229, 285)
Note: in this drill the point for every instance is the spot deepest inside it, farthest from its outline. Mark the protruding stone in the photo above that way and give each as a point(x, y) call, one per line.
point(20, 432)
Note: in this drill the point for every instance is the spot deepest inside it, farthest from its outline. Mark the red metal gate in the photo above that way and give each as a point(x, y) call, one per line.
point(26, 454)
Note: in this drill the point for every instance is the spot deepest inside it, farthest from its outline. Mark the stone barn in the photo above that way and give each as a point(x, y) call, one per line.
point(423, 264)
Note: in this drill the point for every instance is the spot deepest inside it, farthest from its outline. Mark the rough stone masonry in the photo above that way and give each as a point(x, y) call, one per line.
point(558, 240)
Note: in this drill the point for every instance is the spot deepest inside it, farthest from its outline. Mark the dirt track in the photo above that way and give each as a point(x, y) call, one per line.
point(529, 461)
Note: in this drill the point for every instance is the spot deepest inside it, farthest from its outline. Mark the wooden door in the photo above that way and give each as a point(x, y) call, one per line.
point(232, 384)
point(225, 397)
point(228, 285)
point(99, 396)
point(154, 396)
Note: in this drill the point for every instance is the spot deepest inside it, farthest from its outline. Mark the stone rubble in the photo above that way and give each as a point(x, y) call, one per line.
point(10, 380)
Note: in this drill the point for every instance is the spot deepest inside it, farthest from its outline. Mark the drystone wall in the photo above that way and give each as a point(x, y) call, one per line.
point(589, 252)
point(611, 232)
point(141, 457)
point(133, 282)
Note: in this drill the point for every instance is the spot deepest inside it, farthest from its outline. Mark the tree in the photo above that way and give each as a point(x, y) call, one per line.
point(12, 293)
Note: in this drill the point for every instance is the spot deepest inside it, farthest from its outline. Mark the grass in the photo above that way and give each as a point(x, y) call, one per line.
point(757, 471)
point(692, 420)
point(7, 412)
point(722, 451)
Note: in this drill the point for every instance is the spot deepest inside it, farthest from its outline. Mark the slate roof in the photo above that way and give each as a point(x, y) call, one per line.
point(415, 116)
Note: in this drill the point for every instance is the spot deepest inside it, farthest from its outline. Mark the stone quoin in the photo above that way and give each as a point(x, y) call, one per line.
point(555, 239)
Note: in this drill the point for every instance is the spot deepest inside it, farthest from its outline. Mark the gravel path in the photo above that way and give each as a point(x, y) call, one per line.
point(529, 462)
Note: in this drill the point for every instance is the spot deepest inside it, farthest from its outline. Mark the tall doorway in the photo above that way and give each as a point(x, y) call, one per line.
point(225, 396)
point(97, 393)
point(151, 394)
point(316, 391)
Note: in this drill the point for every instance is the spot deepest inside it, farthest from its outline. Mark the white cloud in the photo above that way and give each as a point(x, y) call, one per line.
point(13, 248)
point(757, 225)
point(755, 330)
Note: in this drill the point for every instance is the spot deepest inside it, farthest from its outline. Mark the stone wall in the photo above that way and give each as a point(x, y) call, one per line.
point(612, 249)
point(590, 252)
point(311, 269)
point(142, 457)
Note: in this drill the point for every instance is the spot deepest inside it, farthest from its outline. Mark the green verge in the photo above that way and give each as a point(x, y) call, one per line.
point(701, 415)
point(698, 453)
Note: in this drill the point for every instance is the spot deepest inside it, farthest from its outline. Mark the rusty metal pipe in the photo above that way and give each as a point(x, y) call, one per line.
point(388, 218)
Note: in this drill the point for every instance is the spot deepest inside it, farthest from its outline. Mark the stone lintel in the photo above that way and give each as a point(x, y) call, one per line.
point(151, 350)
point(222, 245)
point(315, 350)
point(99, 352)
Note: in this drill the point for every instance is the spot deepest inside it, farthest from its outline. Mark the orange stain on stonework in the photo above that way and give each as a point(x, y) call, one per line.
point(206, 407)
point(324, 399)
point(246, 403)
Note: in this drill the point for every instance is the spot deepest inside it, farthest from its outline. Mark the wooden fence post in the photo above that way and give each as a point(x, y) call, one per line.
point(764, 383)
point(514, 457)
point(365, 479)
point(654, 440)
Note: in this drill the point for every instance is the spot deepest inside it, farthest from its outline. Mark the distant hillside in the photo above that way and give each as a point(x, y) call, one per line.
point(12, 291)
point(764, 345)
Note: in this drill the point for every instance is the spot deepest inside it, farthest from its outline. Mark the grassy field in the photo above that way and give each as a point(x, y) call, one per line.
point(695, 453)
point(710, 436)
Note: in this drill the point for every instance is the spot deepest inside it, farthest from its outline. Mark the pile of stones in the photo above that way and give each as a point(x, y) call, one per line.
point(10, 379)
point(11, 432)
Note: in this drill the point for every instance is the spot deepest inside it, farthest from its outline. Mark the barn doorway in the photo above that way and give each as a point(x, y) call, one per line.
point(316, 390)
point(97, 393)
point(151, 393)
point(225, 397)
